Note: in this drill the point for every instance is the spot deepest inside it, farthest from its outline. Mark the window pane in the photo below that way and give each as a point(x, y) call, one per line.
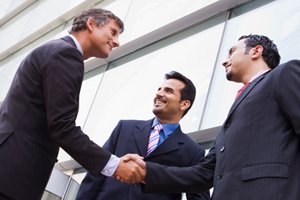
point(142, 17)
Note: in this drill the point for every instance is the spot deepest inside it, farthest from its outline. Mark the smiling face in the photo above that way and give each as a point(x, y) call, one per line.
point(237, 62)
point(168, 106)
point(103, 38)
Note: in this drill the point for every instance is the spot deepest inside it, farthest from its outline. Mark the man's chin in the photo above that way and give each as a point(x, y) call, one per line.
point(103, 55)
point(156, 111)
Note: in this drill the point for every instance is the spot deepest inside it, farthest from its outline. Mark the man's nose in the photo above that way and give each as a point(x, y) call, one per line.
point(116, 42)
point(226, 63)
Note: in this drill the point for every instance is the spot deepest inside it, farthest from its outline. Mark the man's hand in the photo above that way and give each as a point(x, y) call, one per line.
point(131, 169)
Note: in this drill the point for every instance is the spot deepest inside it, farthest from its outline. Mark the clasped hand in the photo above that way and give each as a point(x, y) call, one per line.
point(131, 169)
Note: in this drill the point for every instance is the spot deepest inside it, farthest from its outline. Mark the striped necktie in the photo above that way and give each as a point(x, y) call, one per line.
point(153, 139)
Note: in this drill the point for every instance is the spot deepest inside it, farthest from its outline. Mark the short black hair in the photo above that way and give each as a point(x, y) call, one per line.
point(270, 52)
point(189, 90)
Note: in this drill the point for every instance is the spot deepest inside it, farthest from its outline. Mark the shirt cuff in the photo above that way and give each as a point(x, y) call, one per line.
point(111, 166)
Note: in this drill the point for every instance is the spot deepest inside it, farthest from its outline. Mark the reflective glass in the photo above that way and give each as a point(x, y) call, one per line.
point(8, 5)
point(143, 17)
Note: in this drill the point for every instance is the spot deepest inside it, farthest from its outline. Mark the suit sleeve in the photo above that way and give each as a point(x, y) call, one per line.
point(62, 77)
point(203, 195)
point(288, 85)
point(197, 178)
point(91, 185)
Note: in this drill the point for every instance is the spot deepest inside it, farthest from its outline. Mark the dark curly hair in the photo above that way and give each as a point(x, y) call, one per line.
point(270, 52)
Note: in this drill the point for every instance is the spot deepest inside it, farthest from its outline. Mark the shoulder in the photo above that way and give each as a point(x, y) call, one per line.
point(133, 123)
point(292, 62)
point(286, 66)
point(190, 143)
point(288, 71)
point(57, 46)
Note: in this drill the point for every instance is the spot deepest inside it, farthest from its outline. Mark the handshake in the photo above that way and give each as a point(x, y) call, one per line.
point(131, 169)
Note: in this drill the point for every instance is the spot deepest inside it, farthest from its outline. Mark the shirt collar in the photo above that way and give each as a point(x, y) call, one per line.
point(167, 129)
point(77, 44)
point(258, 74)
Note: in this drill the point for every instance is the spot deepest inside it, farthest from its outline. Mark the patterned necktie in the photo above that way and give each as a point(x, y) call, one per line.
point(153, 139)
point(241, 90)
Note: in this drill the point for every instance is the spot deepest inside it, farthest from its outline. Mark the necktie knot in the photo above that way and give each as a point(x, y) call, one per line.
point(157, 127)
point(241, 90)
point(154, 138)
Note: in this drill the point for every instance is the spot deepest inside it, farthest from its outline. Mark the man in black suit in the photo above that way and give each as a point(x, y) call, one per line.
point(257, 152)
point(38, 114)
point(172, 101)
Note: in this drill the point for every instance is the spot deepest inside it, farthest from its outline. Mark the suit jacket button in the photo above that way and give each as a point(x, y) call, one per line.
point(222, 148)
point(219, 177)
point(226, 125)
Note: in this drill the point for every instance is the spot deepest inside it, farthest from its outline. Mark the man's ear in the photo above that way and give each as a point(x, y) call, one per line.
point(257, 51)
point(90, 24)
point(185, 104)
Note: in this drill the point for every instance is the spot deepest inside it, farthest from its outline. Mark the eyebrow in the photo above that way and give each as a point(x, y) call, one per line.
point(231, 50)
point(169, 89)
point(166, 89)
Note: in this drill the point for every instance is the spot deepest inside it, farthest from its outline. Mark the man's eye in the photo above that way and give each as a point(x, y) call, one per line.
point(113, 32)
point(231, 50)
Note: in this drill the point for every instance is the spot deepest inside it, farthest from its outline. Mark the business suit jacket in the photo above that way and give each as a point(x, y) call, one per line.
point(131, 136)
point(257, 152)
point(38, 115)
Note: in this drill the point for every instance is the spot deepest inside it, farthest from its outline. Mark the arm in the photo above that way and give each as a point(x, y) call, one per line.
point(91, 185)
point(288, 84)
point(203, 195)
point(197, 178)
point(62, 75)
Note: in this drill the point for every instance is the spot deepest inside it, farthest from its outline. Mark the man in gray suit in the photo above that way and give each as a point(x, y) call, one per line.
point(257, 152)
point(38, 114)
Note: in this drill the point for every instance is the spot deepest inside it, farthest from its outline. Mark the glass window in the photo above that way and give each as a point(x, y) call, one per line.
point(8, 5)
point(50, 196)
point(142, 17)
point(72, 190)
point(32, 19)
point(89, 88)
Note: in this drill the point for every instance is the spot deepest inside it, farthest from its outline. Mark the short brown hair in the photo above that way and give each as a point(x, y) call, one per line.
point(101, 16)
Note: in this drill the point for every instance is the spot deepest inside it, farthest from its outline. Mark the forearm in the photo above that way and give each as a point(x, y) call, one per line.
point(160, 178)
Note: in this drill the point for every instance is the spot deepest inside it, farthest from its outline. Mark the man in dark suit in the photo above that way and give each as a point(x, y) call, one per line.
point(172, 101)
point(38, 114)
point(257, 152)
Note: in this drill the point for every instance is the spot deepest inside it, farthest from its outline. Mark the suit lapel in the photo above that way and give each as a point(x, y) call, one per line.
point(244, 94)
point(141, 135)
point(69, 40)
point(172, 143)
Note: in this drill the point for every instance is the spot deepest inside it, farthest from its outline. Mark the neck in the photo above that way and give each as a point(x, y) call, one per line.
point(168, 121)
point(254, 70)
point(81, 38)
